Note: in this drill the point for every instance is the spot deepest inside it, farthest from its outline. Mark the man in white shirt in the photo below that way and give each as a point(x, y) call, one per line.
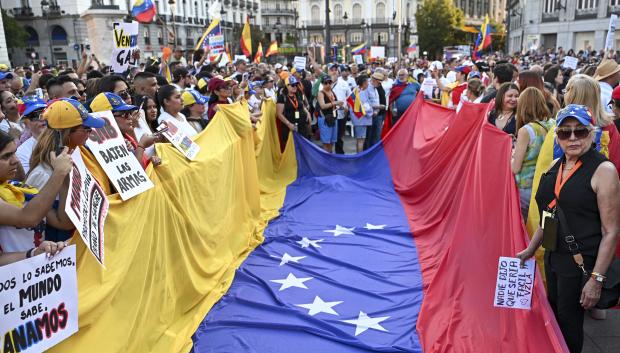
point(342, 90)
point(608, 75)
point(34, 106)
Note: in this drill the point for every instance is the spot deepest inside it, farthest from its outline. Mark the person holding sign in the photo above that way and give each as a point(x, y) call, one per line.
point(194, 108)
point(22, 208)
point(579, 202)
point(122, 115)
point(171, 104)
point(46, 247)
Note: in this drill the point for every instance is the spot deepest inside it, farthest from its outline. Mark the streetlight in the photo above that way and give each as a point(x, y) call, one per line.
point(173, 6)
point(45, 6)
point(345, 17)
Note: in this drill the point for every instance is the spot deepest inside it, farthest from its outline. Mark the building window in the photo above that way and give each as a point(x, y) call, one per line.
point(380, 10)
point(315, 13)
point(147, 38)
point(160, 37)
point(316, 38)
point(33, 37)
point(357, 12)
point(380, 38)
point(338, 38)
point(614, 3)
point(59, 36)
point(338, 11)
point(586, 4)
point(357, 37)
point(549, 6)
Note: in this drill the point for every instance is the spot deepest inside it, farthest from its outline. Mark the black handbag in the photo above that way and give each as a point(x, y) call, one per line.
point(610, 292)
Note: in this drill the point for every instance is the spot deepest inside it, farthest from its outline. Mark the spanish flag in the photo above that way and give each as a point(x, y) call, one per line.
point(259, 53)
point(165, 69)
point(273, 49)
point(228, 53)
point(355, 103)
point(246, 39)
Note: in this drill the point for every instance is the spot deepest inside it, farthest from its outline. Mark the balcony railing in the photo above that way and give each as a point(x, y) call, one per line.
point(354, 23)
point(22, 12)
point(586, 13)
point(613, 10)
point(60, 42)
point(551, 16)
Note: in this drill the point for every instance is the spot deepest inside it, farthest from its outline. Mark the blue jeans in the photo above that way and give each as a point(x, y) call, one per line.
point(374, 132)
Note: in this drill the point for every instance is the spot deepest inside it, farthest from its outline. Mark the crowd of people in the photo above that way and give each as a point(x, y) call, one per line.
point(46, 113)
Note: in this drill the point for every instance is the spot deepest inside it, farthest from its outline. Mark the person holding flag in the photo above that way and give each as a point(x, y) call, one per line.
point(144, 11)
point(484, 38)
point(361, 111)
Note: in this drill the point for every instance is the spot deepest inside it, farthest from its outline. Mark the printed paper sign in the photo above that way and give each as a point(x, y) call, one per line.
point(119, 163)
point(358, 59)
point(609, 41)
point(428, 86)
point(570, 62)
point(38, 302)
point(240, 57)
point(392, 59)
point(299, 62)
point(87, 206)
point(514, 285)
point(216, 45)
point(179, 140)
point(125, 39)
point(377, 52)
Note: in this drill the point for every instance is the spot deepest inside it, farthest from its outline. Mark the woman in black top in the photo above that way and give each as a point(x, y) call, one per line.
point(586, 187)
point(503, 114)
point(291, 111)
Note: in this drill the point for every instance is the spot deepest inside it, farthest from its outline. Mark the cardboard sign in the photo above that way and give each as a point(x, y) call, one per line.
point(182, 142)
point(377, 52)
point(216, 45)
point(299, 62)
point(38, 302)
point(125, 39)
point(359, 59)
point(428, 86)
point(87, 206)
point(609, 41)
point(570, 62)
point(514, 285)
point(119, 163)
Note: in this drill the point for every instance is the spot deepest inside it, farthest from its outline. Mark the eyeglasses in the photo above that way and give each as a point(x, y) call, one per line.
point(123, 94)
point(125, 115)
point(564, 133)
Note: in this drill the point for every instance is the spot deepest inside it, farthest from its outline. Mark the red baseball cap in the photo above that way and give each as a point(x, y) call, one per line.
point(615, 94)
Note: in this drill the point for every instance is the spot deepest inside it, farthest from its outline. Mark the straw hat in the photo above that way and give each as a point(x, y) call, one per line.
point(605, 69)
point(378, 76)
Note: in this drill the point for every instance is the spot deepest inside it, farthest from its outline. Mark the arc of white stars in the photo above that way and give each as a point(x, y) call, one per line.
point(320, 306)
point(339, 230)
point(306, 242)
point(365, 322)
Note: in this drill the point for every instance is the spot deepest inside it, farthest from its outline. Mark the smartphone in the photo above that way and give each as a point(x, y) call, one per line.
point(161, 132)
point(58, 145)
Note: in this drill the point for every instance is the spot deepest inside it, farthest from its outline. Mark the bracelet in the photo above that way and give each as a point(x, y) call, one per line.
point(598, 277)
point(140, 146)
point(30, 252)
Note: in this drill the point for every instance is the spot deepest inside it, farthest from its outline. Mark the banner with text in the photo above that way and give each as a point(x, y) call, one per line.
point(38, 302)
point(119, 163)
point(514, 284)
point(87, 206)
point(125, 38)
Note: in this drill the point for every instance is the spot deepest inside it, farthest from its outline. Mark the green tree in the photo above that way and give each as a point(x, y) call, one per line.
point(16, 35)
point(437, 23)
point(498, 37)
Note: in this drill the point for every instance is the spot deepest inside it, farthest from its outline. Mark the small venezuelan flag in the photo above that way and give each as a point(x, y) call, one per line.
point(355, 103)
point(143, 11)
point(360, 49)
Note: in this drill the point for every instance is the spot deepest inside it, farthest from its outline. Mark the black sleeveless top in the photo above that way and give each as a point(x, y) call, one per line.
point(578, 201)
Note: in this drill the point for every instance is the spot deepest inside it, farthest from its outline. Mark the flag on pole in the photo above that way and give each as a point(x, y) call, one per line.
point(228, 53)
point(164, 68)
point(355, 103)
point(246, 39)
point(259, 53)
point(214, 29)
point(412, 48)
point(484, 38)
point(143, 11)
point(360, 49)
point(273, 49)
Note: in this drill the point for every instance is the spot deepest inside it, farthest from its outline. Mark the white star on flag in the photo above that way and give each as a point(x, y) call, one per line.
point(373, 227)
point(291, 281)
point(286, 258)
point(319, 306)
point(364, 322)
point(305, 242)
point(340, 230)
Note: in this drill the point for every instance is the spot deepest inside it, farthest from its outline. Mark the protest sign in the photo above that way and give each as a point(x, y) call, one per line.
point(125, 39)
point(514, 284)
point(118, 162)
point(570, 62)
point(299, 62)
point(609, 41)
point(428, 86)
point(87, 206)
point(182, 142)
point(216, 45)
point(392, 59)
point(377, 52)
point(240, 57)
point(358, 59)
point(38, 302)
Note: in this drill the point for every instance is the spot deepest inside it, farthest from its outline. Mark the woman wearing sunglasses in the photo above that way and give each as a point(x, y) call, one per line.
point(579, 201)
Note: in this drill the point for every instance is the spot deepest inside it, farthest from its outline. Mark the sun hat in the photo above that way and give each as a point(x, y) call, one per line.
point(378, 76)
point(605, 69)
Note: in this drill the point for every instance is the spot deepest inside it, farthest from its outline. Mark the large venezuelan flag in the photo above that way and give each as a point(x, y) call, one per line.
point(391, 250)
point(144, 11)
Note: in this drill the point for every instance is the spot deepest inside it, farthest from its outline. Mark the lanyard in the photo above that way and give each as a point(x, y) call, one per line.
point(559, 183)
point(294, 103)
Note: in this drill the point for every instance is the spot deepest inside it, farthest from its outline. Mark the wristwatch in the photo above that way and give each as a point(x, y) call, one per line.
point(598, 277)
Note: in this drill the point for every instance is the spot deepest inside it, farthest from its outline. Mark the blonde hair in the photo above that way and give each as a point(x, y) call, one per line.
point(475, 87)
point(584, 90)
point(531, 106)
point(45, 145)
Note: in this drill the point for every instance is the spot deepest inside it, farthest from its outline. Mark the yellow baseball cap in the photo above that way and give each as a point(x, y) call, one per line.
point(109, 101)
point(65, 113)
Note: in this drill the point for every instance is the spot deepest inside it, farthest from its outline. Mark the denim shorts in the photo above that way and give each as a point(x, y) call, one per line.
point(329, 134)
point(360, 131)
